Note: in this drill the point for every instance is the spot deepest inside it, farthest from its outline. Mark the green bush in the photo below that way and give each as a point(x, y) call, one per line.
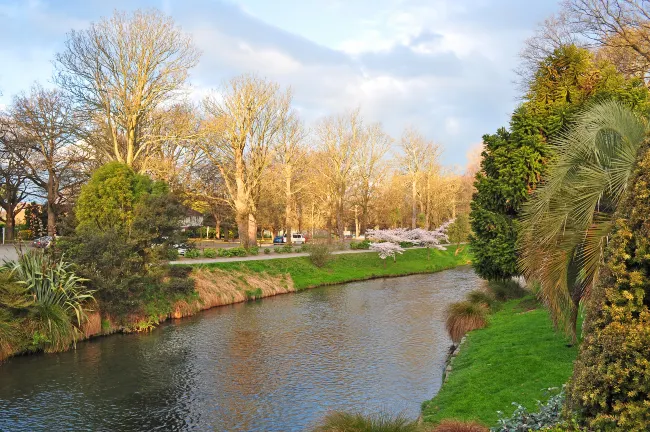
point(463, 317)
point(319, 255)
point(179, 271)
point(182, 286)
point(232, 252)
point(504, 290)
point(209, 253)
point(610, 386)
point(483, 298)
point(267, 251)
point(546, 416)
point(253, 250)
point(25, 234)
point(406, 245)
point(362, 245)
point(192, 253)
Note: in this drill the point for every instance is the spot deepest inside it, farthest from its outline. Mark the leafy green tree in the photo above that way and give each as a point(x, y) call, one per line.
point(609, 389)
point(515, 161)
point(567, 220)
point(126, 222)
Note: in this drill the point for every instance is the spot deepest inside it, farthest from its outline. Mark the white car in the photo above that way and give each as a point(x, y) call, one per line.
point(298, 239)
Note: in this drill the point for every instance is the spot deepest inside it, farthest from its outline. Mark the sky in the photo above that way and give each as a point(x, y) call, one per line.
point(443, 67)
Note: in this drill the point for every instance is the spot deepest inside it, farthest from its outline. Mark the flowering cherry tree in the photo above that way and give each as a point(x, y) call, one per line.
point(390, 239)
point(396, 235)
point(386, 249)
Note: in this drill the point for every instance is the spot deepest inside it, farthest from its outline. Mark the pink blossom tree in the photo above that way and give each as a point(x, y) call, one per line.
point(386, 249)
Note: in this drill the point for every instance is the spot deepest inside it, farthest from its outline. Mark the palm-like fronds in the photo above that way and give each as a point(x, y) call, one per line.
point(567, 219)
point(52, 283)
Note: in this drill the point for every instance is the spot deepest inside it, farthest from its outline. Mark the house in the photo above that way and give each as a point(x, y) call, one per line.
point(192, 219)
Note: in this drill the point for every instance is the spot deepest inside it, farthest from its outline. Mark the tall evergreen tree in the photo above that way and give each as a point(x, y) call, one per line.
point(515, 161)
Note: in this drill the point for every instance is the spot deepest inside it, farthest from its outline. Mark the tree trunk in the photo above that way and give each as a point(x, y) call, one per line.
point(573, 330)
point(414, 206)
point(287, 204)
point(252, 231)
point(51, 198)
point(356, 222)
point(10, 223)
point(242, 227)
point(217, 229)
point(340, 223)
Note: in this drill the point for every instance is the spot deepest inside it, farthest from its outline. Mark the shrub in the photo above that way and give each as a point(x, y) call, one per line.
point(171, 254)
point(209, 253)
point(181, 286)
point(319, 255)
point(179, 271)
point(365, 244)
point(463, 317)
point(522, 420)
point(482, 298)
point(52, 283)
point(457, 426)
point(267, 251)
point(610, 386)
point(355, 422)
point(25, 234)
point(253, 250)
point(232, 252)
point(505, 290)
point(192, 253)
point(405, 245)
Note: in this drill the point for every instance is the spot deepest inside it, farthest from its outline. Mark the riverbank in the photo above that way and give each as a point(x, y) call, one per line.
point(516, 358)
point(344, 268)
point(220, 284)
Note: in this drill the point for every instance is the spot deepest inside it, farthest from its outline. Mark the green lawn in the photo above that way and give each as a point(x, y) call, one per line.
point(515, 359)
point(350, 267)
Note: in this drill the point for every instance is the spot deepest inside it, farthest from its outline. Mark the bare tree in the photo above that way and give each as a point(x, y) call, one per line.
point(417, 150)
point(622, 26)
point(45, 121)
point(339, 138)
point(555, 32)
point(14, 184)
point(120, 71)
point(291, 157)
point(372, 168)
point(244, 125)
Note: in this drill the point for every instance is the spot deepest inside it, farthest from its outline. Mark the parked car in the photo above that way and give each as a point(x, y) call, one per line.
point(182, 248)
point(42, 242)
point(297, 239)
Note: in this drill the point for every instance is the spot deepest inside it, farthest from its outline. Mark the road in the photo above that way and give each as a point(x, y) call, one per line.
point(8, 252)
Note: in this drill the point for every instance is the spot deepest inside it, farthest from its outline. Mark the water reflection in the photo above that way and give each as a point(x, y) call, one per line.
point(275, 365)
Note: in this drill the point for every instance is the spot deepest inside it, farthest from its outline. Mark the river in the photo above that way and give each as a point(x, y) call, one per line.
point(277, 364)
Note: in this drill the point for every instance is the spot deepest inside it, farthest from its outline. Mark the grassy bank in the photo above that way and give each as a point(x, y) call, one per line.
point(348, 267)
point(515, 359)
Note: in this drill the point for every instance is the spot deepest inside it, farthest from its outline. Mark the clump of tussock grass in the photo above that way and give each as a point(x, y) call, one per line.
point(357, 422)
point(483, 298)
point(463, 317)
point(457, 426)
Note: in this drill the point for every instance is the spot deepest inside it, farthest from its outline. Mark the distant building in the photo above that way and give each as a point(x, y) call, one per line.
point(192, 219)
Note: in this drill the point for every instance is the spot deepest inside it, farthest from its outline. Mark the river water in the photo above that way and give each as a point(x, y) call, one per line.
point(278, 364)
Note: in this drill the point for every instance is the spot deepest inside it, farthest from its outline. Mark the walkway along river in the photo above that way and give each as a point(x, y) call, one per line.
point(277, 364)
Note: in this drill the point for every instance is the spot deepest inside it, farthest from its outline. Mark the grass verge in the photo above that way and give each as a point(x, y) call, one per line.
point(348, 267)
point(515, 359)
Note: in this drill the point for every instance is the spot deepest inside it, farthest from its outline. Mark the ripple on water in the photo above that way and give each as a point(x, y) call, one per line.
point(274, 365)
